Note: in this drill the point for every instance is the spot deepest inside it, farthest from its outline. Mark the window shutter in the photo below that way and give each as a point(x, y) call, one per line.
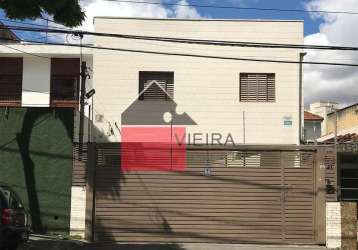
point(157, 86)
point(257, 87)
point(10, 78)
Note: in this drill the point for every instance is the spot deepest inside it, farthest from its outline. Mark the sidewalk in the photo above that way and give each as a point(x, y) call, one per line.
point(44, 243)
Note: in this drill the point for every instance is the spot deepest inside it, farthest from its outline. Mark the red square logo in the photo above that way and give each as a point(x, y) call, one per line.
point(153, 148)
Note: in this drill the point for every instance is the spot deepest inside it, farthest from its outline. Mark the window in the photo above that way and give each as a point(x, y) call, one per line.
point(64, 79)
point(10, 80)
point(64, 88)
point(257, 87)
point(156, 86)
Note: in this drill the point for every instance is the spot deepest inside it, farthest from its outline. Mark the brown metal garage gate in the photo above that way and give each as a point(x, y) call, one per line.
point(224, 196)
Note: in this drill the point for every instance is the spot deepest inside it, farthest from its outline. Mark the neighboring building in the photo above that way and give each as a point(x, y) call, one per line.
point(7, 36)
point(312, 127)
point(47, 78)
point(344, 122)
point(254, 102)
point(345, 119)
point(322, 109)
point(41, 86)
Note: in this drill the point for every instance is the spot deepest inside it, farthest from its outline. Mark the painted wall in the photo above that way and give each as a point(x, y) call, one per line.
point(36, 161)
point(346, 119)
point(36, 82)
point(206, 89)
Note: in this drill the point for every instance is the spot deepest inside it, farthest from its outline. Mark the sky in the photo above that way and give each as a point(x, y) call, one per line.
point(326, 83)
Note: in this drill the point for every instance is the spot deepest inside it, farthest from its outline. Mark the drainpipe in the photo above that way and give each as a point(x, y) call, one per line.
point(302, 55)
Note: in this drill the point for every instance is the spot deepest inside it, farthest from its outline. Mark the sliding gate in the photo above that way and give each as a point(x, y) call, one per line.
point(223, 196)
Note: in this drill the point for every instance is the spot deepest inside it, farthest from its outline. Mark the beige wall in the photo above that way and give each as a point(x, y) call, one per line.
point(206, 89)
point(346, 118)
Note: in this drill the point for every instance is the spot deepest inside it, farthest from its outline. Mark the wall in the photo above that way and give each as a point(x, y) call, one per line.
point(347, 118)
point(341, 225)
point(206, 89)
point(36, 161)
point(36, 82)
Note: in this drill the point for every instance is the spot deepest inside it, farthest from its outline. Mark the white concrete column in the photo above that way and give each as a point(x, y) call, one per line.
point(333, 225)
point(78, 211)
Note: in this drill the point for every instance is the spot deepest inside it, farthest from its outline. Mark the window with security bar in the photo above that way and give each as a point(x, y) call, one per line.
point(156, 85)
point(257, 87)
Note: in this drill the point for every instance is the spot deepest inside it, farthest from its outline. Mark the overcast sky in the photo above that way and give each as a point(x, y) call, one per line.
point(331, 83)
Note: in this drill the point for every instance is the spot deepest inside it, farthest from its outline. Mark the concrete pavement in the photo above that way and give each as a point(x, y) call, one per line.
point(39, 243)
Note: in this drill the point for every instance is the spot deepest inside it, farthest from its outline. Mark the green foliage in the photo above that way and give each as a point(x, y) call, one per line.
point(50, 150)
point(66, 12)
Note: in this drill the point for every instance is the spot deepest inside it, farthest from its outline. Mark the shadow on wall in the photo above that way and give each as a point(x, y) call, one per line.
point(36, 145)
point(134, 247)
point(75, 245)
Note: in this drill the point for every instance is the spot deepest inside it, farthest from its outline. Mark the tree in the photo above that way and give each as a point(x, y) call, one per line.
point(66, 12)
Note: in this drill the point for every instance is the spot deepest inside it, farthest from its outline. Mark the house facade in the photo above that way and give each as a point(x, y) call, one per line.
point(44, 76)
point(312, 127)
point(243, 100)
point(345, 118)
point(322, 109)
point(343, 123)
point(251, 102)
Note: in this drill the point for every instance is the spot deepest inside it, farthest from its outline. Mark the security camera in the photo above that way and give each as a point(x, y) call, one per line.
point(90, 93)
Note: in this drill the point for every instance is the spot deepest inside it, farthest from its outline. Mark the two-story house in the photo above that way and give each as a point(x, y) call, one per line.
point(253, 102)
point(209, 95)
point(149, 90)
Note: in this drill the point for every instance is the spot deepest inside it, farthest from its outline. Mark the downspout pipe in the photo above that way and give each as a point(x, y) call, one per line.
point(300, 114)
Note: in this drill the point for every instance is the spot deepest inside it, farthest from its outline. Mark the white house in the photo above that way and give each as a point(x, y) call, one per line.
point(244, 101)
point(254, 102)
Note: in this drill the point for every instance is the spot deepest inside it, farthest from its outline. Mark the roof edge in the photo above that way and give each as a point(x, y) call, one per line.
point(198, 19)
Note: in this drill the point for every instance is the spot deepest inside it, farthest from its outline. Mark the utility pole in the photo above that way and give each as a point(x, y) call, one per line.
point(300, 113)
point(335, 127)
point(83, 75)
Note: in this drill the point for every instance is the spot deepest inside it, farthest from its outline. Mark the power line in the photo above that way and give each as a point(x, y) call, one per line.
point(220, 50)
point(236, 7)
point(188, 41)
point(22, 51)
point(197, 55)
point(32, 24)
point(248, 57)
